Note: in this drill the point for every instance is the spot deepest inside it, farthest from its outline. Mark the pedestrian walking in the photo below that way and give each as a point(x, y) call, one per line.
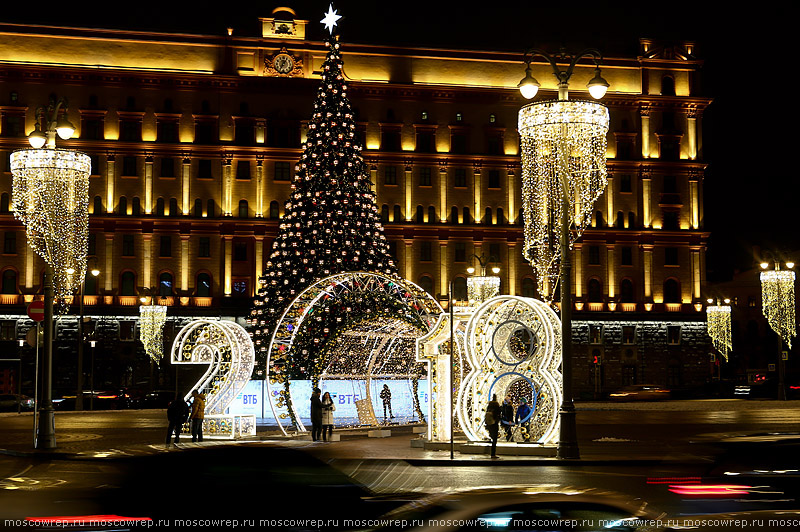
point(327, 417)
point(316, 414)
point(507, 417)
point(198, 415)
point(491, 420)
point(523, 419)
point(386, 395)
point(177, 414)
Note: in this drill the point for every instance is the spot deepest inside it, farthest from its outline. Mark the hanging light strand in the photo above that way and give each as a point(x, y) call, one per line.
point(563, 141)
point(718, 318)
point(777, 289)
point(151, 328)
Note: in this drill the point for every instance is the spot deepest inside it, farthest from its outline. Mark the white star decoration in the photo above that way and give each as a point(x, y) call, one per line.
point(330, 19)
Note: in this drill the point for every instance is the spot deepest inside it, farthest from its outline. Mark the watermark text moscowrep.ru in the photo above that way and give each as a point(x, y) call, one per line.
point(790, 523)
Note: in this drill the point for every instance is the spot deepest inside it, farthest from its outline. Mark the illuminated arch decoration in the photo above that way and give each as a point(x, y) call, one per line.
point(228, 351)
point(381, 333)
point(513, 347)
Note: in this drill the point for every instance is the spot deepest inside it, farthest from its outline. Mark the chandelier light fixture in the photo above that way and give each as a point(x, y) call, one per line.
point(777, 301)
point(482, 287)
point(51, 198)
point(563, 167)
point(151, 328)
point(718, 318)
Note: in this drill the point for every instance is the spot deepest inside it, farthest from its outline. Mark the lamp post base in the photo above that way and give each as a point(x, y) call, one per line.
point(568, 437)
point(46, 433)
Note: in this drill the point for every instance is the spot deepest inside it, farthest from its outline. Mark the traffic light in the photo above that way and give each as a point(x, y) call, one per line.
point(597, 359)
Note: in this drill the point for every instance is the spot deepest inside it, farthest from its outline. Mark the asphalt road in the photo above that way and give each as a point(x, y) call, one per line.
point(638, 450)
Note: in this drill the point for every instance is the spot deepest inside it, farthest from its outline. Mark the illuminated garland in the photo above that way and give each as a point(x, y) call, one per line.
point(563, 142)
point(718, 318)
point(151, 327)
point(51, 198)
point(777, 289)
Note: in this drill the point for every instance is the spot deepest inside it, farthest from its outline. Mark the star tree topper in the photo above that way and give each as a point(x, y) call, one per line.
point(331, 17)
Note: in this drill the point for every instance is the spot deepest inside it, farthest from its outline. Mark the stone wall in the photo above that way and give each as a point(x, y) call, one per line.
point(673, 353)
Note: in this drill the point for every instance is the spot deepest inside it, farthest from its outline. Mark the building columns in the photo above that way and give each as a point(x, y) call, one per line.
point(110, 171)
point(186, 168)
point(148, 186)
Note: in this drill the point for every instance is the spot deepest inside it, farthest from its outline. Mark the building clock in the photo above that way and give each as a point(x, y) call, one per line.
point(283, 63)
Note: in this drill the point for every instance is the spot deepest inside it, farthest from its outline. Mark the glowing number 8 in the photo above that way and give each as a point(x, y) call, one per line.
point(513, 347)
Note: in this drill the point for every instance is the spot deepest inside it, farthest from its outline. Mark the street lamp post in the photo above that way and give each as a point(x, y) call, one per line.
point(151, 327)
point(81, 290)
point(21, 343)
point(778, 306)
point(92, 343)
point(564, 172)
point(450, 373)
point(51, 194)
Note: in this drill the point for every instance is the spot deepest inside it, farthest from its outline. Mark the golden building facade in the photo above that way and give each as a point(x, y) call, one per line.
point(193, 140)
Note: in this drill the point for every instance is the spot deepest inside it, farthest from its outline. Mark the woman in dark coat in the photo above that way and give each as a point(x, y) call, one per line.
point(177, 414)
point(507, 416)
point(492, 420)
point(327, 417)
point(316, 415)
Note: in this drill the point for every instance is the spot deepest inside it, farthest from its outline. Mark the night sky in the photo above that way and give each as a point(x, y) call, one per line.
point(749, 142)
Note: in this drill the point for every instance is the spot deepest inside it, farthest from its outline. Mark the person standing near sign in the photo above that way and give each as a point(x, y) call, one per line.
point(507, 416)
point(177, 413)
point(491, 420)
point(316, 415)
point(327, 417)
point(198, 415)
point(386, 395)
point(523, 419)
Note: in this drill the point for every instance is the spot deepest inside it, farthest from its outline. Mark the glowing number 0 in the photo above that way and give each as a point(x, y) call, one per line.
point(513, 344)
point(228, 350)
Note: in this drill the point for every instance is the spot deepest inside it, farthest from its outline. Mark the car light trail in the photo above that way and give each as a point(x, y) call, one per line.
point(713, 490)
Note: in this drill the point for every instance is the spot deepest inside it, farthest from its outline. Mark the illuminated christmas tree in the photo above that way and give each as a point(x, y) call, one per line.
point(331, 225)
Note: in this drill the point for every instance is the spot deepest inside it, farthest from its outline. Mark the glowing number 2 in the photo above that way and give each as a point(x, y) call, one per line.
point(228, 350)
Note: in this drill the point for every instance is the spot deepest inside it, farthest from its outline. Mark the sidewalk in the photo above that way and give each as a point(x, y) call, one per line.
point(356, 445)
point(108, 434)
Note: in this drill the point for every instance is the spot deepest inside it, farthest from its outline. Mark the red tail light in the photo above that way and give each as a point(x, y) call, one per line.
point(709, 490)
